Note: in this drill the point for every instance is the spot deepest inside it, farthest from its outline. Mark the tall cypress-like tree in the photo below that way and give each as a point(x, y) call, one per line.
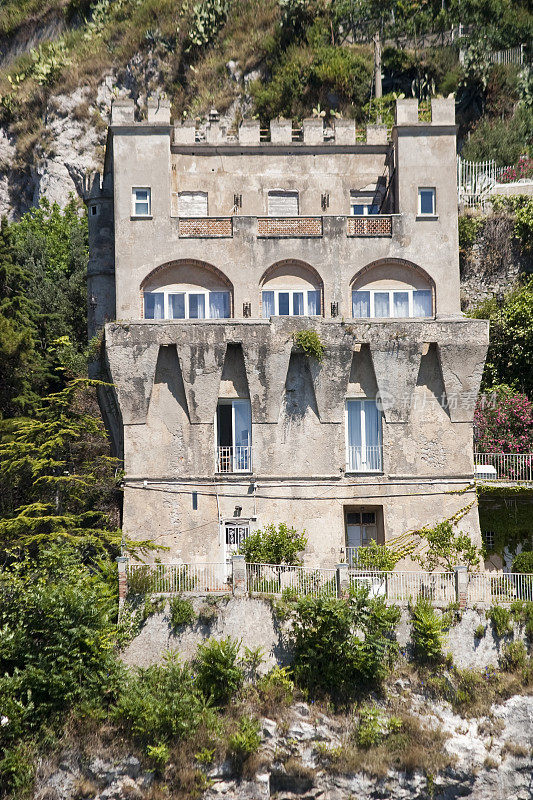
point(21, 367)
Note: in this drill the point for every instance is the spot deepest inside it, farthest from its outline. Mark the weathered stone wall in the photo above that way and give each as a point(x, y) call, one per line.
point(253, 621)
point(169, 376)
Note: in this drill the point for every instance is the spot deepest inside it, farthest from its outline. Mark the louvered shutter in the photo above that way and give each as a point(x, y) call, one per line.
point(282, 204)
point(192, 204)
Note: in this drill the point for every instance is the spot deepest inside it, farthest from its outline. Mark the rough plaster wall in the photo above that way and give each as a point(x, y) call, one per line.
point(252, 621)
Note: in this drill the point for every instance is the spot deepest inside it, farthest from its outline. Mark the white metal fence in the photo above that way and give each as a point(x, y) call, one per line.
point(364, 459)
point(513, 55)
point(234, 459)
point(178, 578)
point(500, 588)
point(475, 181)
point(512, 467)
point(439, 588)
point(276, 578)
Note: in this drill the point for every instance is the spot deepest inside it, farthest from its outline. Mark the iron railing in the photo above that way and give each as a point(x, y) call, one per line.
point(485, 587)
point(177, 578)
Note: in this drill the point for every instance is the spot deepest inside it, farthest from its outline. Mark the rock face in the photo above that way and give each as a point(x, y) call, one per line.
point(490, 757)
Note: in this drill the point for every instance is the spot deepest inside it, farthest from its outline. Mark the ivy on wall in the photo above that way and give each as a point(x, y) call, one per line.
point(508, 513)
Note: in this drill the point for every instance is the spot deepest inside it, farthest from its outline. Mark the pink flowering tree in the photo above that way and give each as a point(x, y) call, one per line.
point(503, 422)
point(524, 169)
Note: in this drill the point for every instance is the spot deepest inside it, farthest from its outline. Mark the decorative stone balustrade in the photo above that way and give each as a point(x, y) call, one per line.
point(205, 227)
point(289, 226)
point(369, 226)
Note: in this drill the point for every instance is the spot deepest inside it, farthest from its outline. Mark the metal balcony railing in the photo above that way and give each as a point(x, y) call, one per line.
point(512, 467)
point(234, 459)
point(364, 459)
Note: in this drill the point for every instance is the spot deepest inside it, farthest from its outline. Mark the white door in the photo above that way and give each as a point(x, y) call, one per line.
point(235, 532)
point(242, 435)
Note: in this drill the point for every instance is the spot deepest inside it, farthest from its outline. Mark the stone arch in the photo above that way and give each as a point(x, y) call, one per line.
point(419, 277)
point(300, 270)
point(186, 263)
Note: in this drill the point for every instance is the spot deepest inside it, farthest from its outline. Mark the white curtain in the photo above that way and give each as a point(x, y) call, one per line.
point(372, 435)
point(218, 305)
point(269, 309)
point(154, 305)
point(360, 304)
point(176, 306)
point(381, 304)
point(400, 304)
point(197, 306)
point(354, 434)
point(313, 303)
point(422, 303)
point(298, 304)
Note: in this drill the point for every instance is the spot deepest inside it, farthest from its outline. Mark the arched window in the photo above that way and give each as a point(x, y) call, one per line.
point(291, 289)
point(186, 290)
point(392, 289)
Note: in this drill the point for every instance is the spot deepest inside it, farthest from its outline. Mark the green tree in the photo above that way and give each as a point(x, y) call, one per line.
point(341, 646)
point(59, 483)
point(274, 545)
point(509, 356)
point(52, 247)
point(21, 368)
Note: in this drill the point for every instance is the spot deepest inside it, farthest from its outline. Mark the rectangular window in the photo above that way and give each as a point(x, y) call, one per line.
point(361, 530)
point(192, 204)
point(154, 305)
point(400, 304)
point(282, 203)
point(197, 306)
point(218, 305)
point(426, 202)
point(141, 201)
point(313, 303)
point(381, 304)
point(269, 309)
point(363, 206)
point(422, 303)
point(283, 304)
point(176, 306)
point(363, 436)
point(298, 304)
point(360, 304)
point(234, 436)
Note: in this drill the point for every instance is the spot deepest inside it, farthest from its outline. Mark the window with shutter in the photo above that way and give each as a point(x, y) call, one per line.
point(192, 204)
point(282, 203)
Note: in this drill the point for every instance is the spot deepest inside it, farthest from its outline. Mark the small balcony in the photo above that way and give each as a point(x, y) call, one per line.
point(369, 226)
point(291, 227)
point(503, 467)
point(364, 458)
point(232, 459)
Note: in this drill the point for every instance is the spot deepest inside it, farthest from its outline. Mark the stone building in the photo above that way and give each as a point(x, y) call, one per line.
point(208, 253)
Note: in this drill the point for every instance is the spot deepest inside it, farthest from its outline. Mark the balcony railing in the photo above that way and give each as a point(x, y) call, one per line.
point(364, 459)
point(511, 467)
point(369, 226)
point(289, 226)
point(205, 227)
point(234, 459)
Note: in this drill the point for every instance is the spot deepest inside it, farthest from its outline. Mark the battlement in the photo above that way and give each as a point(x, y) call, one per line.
point(313, 131)
point(96, 187)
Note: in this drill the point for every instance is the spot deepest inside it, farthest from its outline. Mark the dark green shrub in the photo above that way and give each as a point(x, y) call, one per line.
point(218, 673)
point(181, 612)
point(160, 702)
point(501, 620)
point(245, 740)
point(310, 343)
point(141, 580)
point(152, 606)
point(513, 657)
point(339, 645)
point(479, 633)
point(369, 731)
point(428, 633)
point(274, 545)
point(523, 562)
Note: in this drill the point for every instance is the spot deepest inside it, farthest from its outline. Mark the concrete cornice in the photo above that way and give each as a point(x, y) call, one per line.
point(269, 148)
